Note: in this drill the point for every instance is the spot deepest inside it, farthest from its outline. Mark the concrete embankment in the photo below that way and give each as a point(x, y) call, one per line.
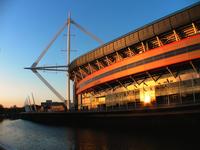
point(168, 117)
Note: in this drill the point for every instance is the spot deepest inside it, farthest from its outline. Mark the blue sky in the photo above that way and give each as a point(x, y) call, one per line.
point(26, 27)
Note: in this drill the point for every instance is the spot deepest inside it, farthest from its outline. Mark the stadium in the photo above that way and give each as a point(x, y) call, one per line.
point(155, 66)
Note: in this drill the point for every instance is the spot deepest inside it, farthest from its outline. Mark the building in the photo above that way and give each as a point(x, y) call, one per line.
point(50, 106)
point(155, 65)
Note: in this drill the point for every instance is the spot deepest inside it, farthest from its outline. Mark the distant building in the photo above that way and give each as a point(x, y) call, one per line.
point(50, 106)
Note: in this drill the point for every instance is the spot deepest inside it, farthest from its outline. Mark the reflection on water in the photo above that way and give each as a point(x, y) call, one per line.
point(25, 135)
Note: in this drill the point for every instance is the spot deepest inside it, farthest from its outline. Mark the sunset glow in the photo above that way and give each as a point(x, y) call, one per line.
point(26, 29)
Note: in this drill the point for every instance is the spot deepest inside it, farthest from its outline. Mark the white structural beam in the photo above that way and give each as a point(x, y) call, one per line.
point(34, 102)
point(49, 85)
point(49, 45)
point(68, 59)
point(87, 32)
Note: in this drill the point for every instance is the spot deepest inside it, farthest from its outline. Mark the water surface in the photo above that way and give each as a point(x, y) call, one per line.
point(25, 135)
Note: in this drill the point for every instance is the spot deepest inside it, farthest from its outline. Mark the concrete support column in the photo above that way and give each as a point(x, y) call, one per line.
point(193, 88)
point(79, 101)
point(179, 83)
point(168, 100)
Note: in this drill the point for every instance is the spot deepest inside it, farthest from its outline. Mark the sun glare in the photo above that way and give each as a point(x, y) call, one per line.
point(147, 99)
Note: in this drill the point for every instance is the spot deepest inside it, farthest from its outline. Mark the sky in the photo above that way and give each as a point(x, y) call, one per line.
point(27, 26)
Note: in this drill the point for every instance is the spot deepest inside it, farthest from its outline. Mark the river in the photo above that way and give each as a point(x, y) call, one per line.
point(26, 135)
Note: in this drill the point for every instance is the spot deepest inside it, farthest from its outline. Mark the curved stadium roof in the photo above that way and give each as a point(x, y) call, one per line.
point(165, 24)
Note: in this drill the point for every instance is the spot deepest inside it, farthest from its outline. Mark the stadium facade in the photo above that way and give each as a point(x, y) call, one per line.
point(156, 65)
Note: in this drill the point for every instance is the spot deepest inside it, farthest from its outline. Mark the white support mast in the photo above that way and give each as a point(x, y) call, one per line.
point(34, 67)
point(30, 105)
point(35, 108)
point(68, 59)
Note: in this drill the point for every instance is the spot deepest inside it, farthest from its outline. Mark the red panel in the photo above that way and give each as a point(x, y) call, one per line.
point(170, 47)
point(142, 68)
